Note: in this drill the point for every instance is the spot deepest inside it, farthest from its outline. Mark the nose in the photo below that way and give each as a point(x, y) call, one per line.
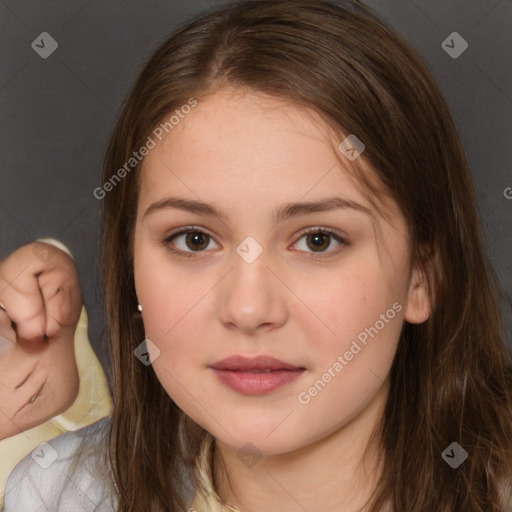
point(252, 298)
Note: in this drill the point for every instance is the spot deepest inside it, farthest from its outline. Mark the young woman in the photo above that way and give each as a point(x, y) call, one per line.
point(290, 225)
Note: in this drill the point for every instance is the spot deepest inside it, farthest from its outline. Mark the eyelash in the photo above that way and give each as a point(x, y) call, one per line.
point(307, 231)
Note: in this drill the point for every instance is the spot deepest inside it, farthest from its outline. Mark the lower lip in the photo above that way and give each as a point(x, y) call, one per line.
point(252, 383)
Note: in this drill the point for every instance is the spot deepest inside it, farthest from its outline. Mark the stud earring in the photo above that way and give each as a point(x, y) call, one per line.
point(139, 307)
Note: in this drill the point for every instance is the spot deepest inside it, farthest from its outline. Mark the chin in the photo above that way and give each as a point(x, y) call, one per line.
point(260, 442)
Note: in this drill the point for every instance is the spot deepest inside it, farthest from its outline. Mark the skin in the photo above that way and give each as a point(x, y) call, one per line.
point(250, 154)
point(37, 357)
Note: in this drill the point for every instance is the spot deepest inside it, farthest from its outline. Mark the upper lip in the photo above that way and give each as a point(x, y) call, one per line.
point(242, 363)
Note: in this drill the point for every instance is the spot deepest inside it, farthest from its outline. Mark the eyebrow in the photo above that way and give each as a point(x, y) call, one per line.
point(282, 213)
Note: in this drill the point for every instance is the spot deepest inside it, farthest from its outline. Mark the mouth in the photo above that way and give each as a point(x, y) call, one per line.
point(255, 375)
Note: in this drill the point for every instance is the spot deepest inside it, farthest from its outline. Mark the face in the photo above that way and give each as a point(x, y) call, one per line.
point(322, 289)
point(38, 380)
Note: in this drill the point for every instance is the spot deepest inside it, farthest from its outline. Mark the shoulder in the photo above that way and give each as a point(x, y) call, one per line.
point(67, 474)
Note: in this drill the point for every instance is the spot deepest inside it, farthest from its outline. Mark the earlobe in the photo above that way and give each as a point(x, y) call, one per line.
point(419, 307)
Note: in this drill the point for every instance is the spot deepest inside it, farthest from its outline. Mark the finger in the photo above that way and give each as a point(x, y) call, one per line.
point(63, 303)
point(26, 308)
point(55, 306)
point(20, 290)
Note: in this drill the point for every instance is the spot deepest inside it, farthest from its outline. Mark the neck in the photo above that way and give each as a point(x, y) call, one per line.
point(332, 473)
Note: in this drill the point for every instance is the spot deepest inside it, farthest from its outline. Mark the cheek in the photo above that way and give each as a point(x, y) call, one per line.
point(355, 343)
point(171, 304)
point(162, 291)
point(178, 368)
point(173, 313)
point(173, 310)
point(350, 370)
point(346, 303)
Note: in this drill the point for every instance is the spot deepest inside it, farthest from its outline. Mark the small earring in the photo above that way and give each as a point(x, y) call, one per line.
point(139, 307)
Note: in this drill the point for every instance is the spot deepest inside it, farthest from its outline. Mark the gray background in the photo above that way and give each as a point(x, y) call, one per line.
point(58, 113)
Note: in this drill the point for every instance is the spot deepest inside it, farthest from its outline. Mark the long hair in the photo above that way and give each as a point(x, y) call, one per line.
point(451, 378)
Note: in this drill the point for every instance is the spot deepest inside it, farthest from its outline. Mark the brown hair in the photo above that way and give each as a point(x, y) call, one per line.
point(451, 379)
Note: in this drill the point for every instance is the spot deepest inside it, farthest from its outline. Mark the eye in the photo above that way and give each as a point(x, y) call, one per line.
point(188, 241)
point(318, 240)
point(192, 240)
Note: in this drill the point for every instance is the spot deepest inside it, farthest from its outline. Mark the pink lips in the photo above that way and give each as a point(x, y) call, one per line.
point(255, 375)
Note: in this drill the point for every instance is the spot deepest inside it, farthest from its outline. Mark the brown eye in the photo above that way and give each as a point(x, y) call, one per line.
point(188, 241)
point(319, 240)
point(196, 240)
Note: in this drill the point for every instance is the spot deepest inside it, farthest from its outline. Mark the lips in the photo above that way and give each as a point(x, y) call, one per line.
point(259, 364)
point(255, 375)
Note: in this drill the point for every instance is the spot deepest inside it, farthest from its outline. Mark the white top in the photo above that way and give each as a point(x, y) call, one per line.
point(45, 481)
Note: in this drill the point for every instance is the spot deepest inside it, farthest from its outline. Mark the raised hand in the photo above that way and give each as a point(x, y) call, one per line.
point(40, 304)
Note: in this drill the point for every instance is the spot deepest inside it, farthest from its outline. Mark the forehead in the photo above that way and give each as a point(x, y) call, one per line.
point(251, 150)
point(234, 136)
point(246, 124)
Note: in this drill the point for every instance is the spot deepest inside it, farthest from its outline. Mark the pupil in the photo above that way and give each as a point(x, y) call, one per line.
point(319, 237)
point(197, 238)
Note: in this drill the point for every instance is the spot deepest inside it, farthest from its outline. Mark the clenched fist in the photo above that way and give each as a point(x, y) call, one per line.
point(40, 305)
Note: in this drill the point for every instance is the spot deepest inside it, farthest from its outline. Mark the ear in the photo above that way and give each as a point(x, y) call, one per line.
point(419, 307)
